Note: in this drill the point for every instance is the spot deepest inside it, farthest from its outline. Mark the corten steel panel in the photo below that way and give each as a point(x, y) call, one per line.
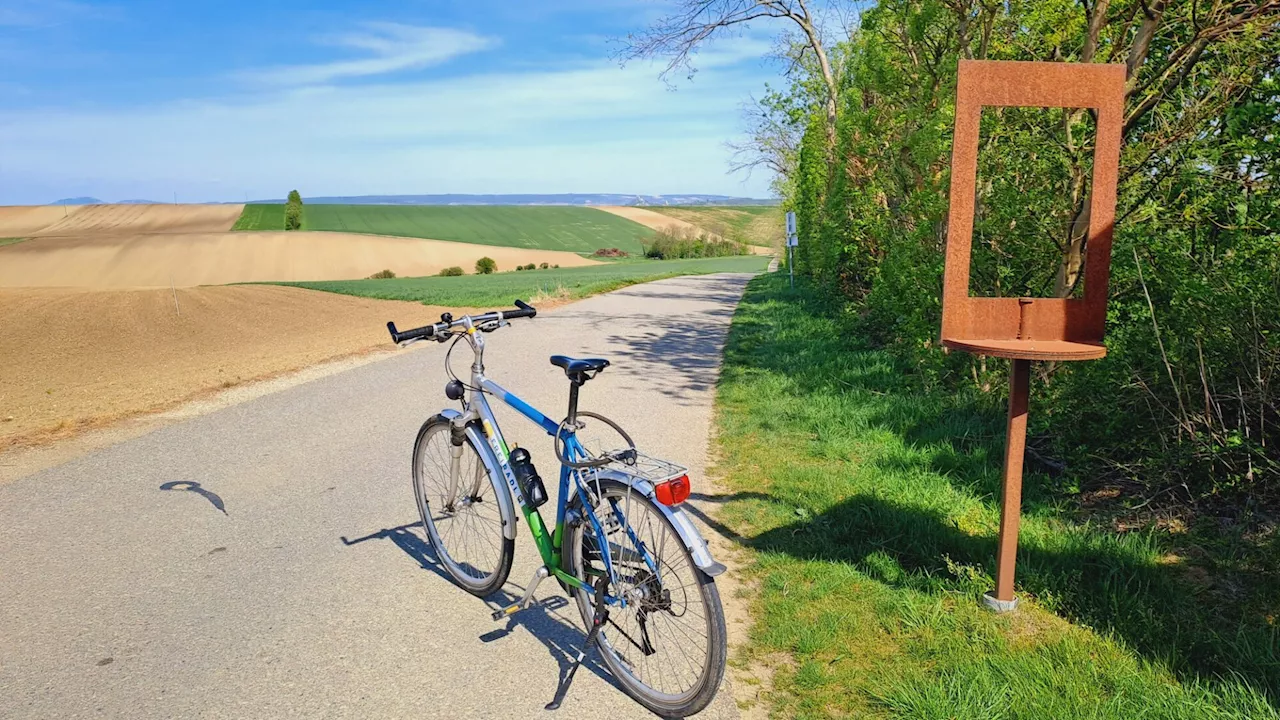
point(1033, 328)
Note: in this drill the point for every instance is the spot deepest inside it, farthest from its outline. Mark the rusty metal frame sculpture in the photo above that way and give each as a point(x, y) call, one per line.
point(1026, 329)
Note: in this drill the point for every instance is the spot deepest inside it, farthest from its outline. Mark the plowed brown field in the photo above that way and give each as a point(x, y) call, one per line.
point(660, 222)
point(23, 220)
point(189, 259)
point(73, 359)
point(650, 219)
point(131, 219)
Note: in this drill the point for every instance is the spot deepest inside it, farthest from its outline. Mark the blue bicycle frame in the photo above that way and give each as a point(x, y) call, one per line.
point(550, 546)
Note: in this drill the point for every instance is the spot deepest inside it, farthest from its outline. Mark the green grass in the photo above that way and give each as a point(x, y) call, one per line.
point(501, 288)
point(575, 229)
point(869, 508)
point(10, 241)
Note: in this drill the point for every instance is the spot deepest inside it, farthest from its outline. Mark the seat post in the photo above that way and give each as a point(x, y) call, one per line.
point(573, 401)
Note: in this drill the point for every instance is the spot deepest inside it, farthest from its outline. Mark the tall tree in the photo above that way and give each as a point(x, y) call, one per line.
point(678, 36)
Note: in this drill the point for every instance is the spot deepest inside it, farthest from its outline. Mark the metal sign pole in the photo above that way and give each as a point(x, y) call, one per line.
point(792, 241)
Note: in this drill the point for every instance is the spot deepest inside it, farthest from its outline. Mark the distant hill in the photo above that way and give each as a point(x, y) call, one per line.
point(531, 199)
point(78, 201)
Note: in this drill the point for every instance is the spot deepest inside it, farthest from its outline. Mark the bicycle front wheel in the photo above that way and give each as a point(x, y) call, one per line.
point(461, 509)
point(667, 646)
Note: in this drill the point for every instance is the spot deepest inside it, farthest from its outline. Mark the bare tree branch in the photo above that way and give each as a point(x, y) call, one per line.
point(679, 35)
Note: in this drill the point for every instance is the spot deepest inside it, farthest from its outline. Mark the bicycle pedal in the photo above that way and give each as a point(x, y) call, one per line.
point(506, 612)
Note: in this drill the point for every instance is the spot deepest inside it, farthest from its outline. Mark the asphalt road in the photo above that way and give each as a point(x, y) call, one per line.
point(264, 561)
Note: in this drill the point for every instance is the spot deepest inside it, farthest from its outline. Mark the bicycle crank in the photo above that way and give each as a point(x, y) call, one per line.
point(525, 599)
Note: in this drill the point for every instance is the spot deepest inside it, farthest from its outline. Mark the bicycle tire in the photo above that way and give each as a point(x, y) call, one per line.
point(437, 432)
point(703, 690)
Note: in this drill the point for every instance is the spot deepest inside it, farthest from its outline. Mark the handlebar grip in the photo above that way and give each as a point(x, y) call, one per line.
point(525, 310)
point(414, 334)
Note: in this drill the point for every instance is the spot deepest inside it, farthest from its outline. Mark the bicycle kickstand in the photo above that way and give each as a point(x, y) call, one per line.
point(599, 618)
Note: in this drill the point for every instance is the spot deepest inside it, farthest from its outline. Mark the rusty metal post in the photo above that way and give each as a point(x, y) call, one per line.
point(1015, 446)
point(1026, 329)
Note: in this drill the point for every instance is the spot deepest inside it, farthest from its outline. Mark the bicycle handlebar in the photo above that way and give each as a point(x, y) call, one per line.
point(523, 310)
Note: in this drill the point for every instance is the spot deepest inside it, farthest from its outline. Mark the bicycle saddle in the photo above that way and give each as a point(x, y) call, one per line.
point(577, 369)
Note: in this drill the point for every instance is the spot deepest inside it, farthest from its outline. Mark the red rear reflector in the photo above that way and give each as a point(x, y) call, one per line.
point(673, 491)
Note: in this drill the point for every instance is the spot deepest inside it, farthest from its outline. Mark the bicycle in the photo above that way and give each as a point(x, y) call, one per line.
point(622, 546)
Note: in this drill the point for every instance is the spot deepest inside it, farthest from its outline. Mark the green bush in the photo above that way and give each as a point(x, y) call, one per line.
point(486, 266)
point(543, 266)
point(687, 243)
point(382, 275)
point(452, 271)
point(519, 268)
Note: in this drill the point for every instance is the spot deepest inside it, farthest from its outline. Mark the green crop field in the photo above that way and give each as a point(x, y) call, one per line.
point(754, 224)
point(261, 217)
point(10, 241)
point(500, 289)
point(575, 229)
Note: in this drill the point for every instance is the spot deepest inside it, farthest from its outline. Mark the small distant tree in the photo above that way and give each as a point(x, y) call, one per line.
point(382, 275)
point(453, 271)
point(543, 266)
point(519, 268)
point(486, 266)
point(293, 211)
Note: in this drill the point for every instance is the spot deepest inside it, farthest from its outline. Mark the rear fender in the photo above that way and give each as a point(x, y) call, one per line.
point(688, 532)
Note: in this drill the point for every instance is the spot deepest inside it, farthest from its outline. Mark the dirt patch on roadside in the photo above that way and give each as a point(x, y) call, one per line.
point(190, 259)
point(128, 219)
point(75, 360)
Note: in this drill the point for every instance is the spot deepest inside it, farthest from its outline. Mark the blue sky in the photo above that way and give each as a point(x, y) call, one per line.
point(223, 100)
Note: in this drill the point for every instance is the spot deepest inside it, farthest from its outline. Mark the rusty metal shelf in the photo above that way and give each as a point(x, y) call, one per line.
point(1060, 350)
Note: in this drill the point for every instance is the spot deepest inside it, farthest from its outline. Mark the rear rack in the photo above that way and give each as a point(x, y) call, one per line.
point(638, 465)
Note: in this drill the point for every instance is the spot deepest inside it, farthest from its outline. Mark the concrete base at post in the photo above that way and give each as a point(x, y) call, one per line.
point(990, 602)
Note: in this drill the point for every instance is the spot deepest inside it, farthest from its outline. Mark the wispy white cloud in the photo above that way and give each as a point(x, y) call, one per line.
point(392, 47)
point(585, 127)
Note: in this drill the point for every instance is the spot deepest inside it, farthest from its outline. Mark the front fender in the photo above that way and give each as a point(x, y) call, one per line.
point(688, 532)
point(506, 507)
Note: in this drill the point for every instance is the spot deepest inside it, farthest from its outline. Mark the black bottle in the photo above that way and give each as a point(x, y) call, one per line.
point(535, 493)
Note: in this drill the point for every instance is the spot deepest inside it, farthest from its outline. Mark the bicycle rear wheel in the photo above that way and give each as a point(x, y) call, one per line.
point(667, 648)
point(461, 509)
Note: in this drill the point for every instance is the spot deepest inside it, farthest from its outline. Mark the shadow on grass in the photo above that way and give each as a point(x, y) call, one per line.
point(804, 378)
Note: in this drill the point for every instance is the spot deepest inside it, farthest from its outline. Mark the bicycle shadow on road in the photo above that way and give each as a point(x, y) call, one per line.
point(562, 639)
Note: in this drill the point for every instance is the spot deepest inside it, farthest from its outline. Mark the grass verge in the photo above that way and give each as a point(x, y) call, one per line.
point(500, 288)
point(575, 229)
point(869, 509)
point(10, 241)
